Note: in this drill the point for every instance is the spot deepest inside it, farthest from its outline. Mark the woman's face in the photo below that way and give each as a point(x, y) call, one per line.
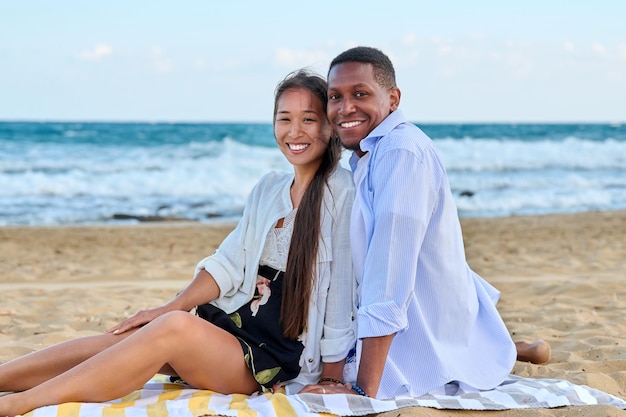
point(301, 128)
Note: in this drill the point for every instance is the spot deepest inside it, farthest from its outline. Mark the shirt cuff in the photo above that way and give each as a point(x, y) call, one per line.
point(336, 343)
point(219, 274)
point(381, 319)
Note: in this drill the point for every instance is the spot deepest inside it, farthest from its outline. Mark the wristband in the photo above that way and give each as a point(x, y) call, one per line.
point(359, 390)
point(336, 381)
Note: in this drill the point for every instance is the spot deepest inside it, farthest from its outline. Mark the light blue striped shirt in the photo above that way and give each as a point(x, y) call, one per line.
point(413, 277)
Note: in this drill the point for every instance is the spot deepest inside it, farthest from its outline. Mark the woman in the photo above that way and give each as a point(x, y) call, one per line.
point(275, 300)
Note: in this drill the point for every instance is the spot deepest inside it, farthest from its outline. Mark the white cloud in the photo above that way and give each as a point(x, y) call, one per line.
point(200, 64)
point(599, 48)
point(569, 46)
point(478, 37)
point(291, 59)
point(520, 64)
point(98, 52)
point(159, 61)
point(221, 65)
point(409, 39)
point(444, 49)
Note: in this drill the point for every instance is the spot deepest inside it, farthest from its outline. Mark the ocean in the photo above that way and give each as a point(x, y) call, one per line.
point(54, 173)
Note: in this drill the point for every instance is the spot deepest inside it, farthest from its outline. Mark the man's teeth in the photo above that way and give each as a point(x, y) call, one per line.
point(295, 147)
point(350, 124)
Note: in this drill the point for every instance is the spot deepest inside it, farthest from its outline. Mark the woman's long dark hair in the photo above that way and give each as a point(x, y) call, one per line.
point(302, 259)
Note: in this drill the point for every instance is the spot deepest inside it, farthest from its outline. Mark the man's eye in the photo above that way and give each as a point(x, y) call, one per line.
point(333, 96)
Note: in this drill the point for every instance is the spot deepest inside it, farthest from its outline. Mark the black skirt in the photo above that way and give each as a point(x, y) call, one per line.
point(271, 357)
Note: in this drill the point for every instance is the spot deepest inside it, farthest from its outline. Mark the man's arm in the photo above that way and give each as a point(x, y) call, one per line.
point(402, 201)
point(374, 352)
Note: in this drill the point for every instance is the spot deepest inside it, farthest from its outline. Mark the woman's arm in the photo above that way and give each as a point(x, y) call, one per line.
point(201, 290)
point(228, 261)
point(332, 372)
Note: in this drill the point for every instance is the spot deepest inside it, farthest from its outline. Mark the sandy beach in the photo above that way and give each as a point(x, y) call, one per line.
point(562, 279)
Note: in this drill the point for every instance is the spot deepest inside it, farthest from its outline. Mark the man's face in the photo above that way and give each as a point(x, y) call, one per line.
point(356, 102)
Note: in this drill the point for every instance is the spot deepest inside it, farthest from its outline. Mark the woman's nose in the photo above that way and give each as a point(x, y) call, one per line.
point(295, 130)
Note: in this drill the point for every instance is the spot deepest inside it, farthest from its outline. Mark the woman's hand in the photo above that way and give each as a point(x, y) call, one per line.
point(138, 320)
point(327, 388)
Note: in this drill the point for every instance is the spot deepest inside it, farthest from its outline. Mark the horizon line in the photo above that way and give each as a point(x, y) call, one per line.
point(431, 122)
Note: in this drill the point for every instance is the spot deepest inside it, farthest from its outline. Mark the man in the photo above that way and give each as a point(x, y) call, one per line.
point(425, 318)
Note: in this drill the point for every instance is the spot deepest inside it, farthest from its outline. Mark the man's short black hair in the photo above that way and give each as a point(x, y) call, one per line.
point(384, 73)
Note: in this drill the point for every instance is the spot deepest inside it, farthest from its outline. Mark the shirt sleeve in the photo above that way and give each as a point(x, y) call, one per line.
point(403, 191)
point(227, 264)
point(339, 331)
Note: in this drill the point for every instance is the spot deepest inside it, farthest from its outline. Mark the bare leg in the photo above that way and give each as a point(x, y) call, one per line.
point(30, 370)
point(204, 355)
point(537, 352)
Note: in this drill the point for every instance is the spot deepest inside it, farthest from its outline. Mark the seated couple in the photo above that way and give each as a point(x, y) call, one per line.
point(277, 302)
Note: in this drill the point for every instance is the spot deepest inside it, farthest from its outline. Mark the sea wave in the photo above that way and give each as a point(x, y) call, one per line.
point(77, 173)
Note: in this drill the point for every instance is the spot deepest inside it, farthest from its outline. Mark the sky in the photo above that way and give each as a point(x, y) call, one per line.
point(219, 61)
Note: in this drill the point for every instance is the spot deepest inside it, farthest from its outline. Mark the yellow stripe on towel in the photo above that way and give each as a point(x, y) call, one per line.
point(281, 405)
point(169, 395)
point(159, 397)
point(239, 402)
point(114, 410)
point(199, 403)
point(69, 410)
point(159, 408)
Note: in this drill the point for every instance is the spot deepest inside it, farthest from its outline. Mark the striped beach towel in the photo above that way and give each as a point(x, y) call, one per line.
point(159, 398)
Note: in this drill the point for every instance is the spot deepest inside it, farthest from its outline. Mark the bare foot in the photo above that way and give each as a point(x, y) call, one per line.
point(537, 352)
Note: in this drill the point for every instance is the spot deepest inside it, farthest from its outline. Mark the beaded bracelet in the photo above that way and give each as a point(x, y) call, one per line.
point(336, 381)
point(359, 390)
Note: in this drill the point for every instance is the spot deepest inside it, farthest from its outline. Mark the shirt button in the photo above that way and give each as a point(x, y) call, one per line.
point(310, 360)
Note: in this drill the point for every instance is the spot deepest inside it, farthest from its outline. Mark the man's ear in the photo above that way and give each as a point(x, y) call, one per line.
point(394, 99)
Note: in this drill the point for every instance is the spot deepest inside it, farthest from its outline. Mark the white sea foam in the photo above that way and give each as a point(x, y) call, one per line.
point(86, 174)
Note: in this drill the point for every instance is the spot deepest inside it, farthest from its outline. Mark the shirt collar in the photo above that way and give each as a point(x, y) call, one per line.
point(391, 122)
point(367, 144)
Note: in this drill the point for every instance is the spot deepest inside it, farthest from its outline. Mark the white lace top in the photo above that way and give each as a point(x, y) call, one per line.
point(276, 247)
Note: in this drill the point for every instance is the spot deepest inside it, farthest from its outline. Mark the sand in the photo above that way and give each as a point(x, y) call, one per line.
point(561, 276)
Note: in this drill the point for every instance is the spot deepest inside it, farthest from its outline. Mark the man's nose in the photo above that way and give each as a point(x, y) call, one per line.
point(346, 106)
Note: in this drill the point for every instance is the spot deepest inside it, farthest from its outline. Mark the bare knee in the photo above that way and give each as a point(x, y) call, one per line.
point(176, 326)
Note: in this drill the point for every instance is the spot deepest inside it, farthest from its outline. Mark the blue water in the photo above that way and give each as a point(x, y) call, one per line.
point(90, 173)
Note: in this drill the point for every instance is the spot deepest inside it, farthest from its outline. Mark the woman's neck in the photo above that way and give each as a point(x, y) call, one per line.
point(302, 180)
